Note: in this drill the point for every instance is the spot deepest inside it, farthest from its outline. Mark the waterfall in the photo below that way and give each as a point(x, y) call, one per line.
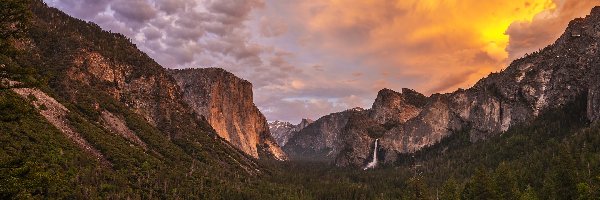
point(373, 163)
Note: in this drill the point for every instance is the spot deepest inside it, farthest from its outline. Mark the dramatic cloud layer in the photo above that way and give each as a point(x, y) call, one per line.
point(313, 57)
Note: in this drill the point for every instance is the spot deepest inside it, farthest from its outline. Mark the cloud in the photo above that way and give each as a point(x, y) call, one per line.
point(85, 9)
point(318, 67)
point(172, 6)
point(451, 82)
point(546, 27)
point(428, 39)
point(233, 11)
point(134, 11)
point(290, 109)
point(272, 28)
point(432, 46)
point(152, 33)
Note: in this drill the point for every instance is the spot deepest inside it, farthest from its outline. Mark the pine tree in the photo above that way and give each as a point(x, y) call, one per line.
point(480, 186)
point(416, 189)
point(565, 176)
point(450, 190)
point(583, 192)
point(528, 194)
point(506, 182)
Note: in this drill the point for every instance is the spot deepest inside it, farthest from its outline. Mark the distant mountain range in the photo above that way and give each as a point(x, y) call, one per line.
point(282, 131)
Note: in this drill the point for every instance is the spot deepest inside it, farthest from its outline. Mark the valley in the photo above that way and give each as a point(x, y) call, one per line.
point(85, 114)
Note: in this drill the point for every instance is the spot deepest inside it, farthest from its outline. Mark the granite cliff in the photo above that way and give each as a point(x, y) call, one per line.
point(226, 102)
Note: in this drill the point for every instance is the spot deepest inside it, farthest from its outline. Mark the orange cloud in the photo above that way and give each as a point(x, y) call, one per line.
point(529, 36)
point(447, 44)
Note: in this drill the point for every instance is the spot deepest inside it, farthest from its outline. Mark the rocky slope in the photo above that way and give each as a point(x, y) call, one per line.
point(56, 114)
point(118, 104)
point(550, 78)
point(283, 131)
point(226, 102)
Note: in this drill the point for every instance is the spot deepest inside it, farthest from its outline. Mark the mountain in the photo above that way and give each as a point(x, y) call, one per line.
point(226, 102)
point(282, 131)
point(321, 140)
point(84, 113)
point(407, 122)
point(392, 107)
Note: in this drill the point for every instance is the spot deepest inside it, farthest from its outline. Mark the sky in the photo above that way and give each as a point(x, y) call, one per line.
point(309, 58)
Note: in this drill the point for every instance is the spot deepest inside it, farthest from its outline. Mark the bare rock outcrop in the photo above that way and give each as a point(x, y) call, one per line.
point(226, 102)
point(593, 108)
point(393, 107)
point(118, 126)
point(56, 114)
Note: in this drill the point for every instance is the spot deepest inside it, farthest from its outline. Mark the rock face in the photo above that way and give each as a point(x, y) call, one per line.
point(283, 131)
point(321, 140)
point(593, 110)
point(409, 121)
point(393, 107)
point(226, 102)
point(303, 124)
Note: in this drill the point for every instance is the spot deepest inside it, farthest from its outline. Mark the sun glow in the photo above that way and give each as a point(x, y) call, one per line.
point(494, 32)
